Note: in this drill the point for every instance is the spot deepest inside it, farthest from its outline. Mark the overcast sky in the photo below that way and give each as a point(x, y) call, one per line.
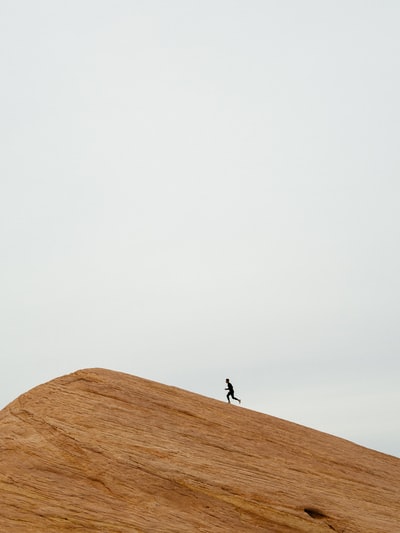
point(195, 190)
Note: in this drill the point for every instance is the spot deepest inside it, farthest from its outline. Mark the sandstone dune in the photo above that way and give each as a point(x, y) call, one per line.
point(102, 451)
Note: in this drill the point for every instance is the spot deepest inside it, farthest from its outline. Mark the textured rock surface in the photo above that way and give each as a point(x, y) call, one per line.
point(108, 452)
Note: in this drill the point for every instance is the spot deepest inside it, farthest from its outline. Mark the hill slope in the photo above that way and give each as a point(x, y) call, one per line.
point(102, 451)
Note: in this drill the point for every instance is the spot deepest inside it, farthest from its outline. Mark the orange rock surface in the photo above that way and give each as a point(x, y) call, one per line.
point(102, 451)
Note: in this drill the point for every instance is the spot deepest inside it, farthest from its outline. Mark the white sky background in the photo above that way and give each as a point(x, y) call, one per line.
point(194, 190)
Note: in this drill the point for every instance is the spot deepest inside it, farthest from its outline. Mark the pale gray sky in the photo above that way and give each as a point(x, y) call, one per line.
point(194, 190)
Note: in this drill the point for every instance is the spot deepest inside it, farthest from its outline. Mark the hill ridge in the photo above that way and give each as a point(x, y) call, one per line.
point(103, 451)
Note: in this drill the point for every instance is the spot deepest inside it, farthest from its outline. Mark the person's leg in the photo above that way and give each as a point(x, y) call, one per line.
point(227, 397)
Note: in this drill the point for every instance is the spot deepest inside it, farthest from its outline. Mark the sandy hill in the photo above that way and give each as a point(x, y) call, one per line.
point(102, 451)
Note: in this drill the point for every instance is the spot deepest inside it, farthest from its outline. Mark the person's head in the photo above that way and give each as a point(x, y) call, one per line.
point(227, 380)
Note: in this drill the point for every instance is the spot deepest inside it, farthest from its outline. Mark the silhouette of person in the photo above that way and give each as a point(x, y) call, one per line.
point(231, 392)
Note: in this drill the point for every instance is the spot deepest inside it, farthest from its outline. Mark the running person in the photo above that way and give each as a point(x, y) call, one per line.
point(231, 392)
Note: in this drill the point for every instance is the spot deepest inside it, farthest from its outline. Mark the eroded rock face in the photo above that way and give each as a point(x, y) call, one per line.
point(102, 451)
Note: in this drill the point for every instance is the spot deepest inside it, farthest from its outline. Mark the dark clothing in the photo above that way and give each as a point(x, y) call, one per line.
point(231, 393)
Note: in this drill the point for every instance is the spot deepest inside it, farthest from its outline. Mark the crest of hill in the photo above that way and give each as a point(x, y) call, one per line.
point(102, 451)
